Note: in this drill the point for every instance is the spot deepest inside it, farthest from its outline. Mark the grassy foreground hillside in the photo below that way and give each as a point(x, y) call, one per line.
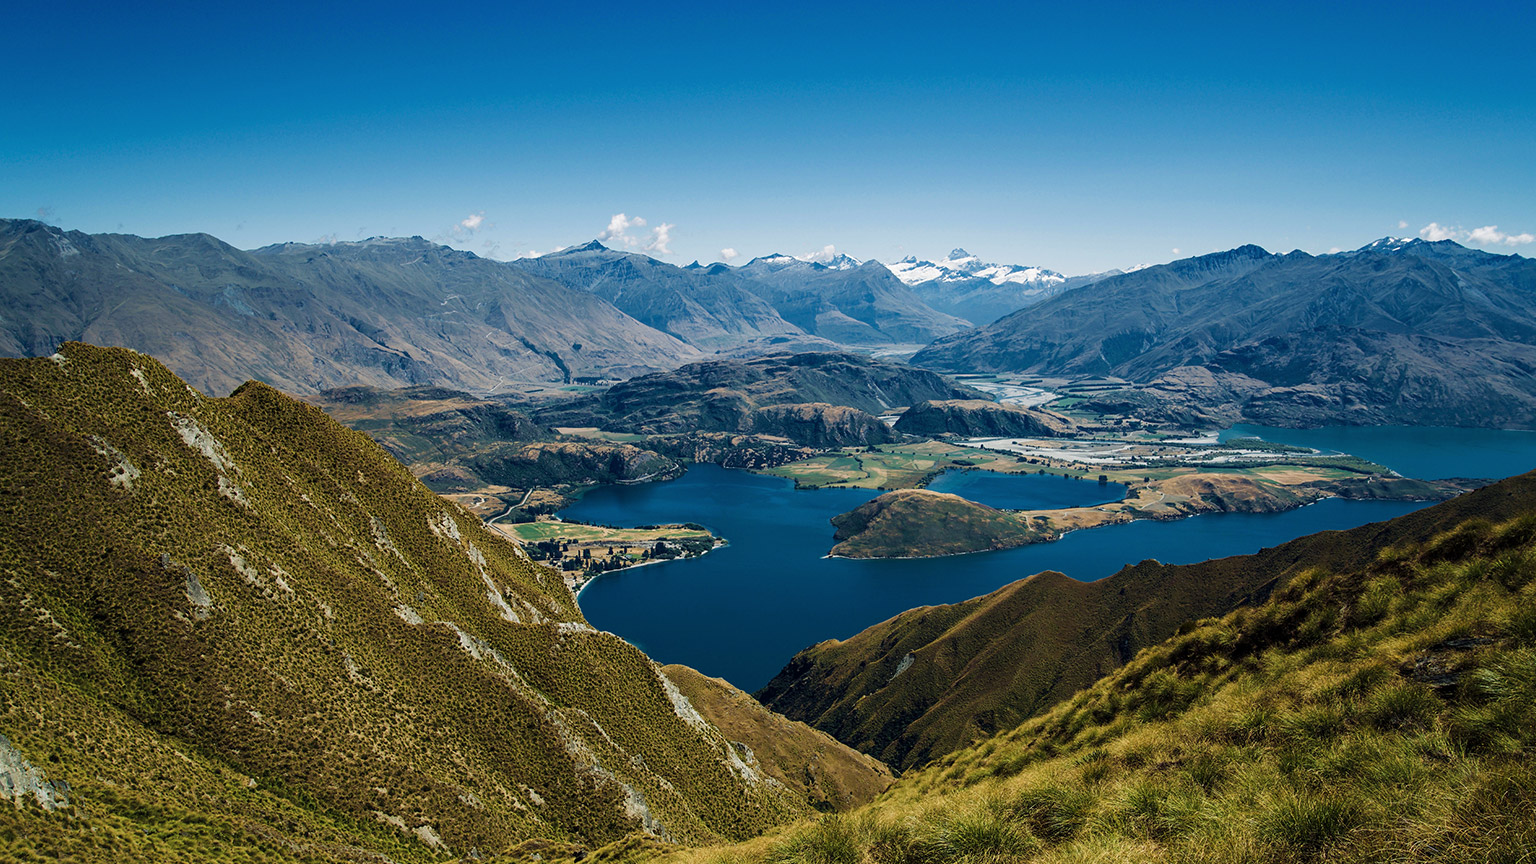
point(233, 629)
point(1379, 707)
point(938, 678)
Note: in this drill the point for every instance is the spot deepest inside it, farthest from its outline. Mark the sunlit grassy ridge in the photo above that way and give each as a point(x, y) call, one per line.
point(235, 628)
point(1381, 712)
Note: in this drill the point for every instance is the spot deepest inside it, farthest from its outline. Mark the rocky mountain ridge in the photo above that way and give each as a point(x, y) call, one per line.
point(1418, 333)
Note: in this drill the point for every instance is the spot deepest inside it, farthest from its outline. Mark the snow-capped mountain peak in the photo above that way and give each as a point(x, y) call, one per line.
point(841, 261)
point(1385, 244)
point(962, 266)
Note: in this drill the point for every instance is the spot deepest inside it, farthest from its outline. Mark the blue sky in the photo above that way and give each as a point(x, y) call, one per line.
point(1102, 135)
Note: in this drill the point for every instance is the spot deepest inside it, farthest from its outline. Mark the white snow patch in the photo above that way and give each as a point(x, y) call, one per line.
point(408, 615)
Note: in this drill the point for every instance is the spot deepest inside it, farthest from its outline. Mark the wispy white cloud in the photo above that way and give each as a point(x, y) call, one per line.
point(1176, 250)
point(461, 231)
point(618, 230)
point(729, 254)
point(661, 236)
point(1434, 232)
point(621, 232)
point(1401, 224)
point(820, 256)
point(1488, 235)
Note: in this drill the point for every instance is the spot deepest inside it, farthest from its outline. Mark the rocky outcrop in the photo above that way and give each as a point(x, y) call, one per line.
point(751, 452)
point(827, 773)
point(723, 395)
point(817, 424)
point(574, 463)
point(979, 418)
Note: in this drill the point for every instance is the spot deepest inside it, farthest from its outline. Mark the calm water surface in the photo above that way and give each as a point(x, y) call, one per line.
point(1425, 453)
point(742, 611)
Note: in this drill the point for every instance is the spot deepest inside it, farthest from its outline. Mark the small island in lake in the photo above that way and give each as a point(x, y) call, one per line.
point(918, 523)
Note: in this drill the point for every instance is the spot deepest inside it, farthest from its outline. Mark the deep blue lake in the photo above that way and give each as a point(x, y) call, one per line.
point(742, 611)
point(1430, 453)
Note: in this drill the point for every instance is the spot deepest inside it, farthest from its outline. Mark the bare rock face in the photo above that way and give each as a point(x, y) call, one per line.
point(573, 462)
point(978, 418)
point(818, 424)
point(731, 395)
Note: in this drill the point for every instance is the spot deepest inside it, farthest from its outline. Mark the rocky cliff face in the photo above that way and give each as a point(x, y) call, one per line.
point(979, 418)
point(574, 463)
point(722, 395)
point(817, 424)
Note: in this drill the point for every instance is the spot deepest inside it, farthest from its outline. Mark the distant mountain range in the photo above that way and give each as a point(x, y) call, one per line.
point(965, 286)
point(780, 301)
point(855, 304)
point(709, 310)
point(303, 318)
point(1398, 331)
point(1395, 332)
point(405, 311)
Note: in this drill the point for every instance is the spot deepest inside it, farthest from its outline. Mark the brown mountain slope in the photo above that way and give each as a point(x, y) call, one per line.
point(934, 679)
point(234, 626)
point(303, 318)
point(723, 396)
point(980, 418)
point(1416, 333)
